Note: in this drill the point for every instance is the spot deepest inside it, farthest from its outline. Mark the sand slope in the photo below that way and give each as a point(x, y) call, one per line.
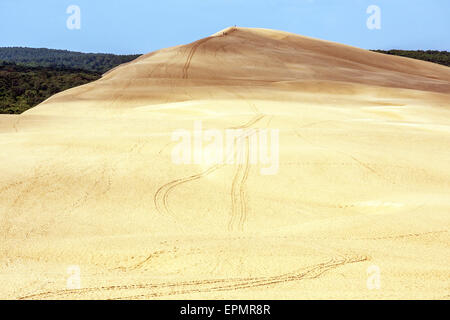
point(87, 177)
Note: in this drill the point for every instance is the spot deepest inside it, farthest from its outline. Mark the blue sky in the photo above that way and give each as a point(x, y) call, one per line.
point(140, 26)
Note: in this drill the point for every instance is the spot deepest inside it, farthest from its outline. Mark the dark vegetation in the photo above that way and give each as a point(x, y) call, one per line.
point(440, 57)
point(22, 87)
point(96, 62)
point(29, 76)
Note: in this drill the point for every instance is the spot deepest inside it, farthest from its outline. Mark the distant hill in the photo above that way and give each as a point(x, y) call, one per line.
point(29, 76)
point(97, 62)
point(440, 57)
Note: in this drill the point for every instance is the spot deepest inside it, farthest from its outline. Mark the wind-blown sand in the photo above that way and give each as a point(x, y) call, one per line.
point(87, 178)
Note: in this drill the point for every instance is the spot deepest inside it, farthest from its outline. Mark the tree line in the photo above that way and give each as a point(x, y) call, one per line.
point(23, 87)
point(34, 57)
point(440, 57)
point(29, 76)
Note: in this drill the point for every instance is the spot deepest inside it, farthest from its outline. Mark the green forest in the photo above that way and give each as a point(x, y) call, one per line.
point(440, 57)
point(96, 62)
point(22, 87)
point(29, 76)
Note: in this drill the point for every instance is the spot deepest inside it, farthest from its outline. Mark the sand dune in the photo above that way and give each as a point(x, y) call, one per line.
point(88, 178)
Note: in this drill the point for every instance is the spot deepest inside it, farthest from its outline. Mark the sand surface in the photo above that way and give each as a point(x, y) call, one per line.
point(87, 178)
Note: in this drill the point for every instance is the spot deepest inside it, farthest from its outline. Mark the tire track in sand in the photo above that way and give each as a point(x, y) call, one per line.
point(200, 286)
point(240, 185)
point(194, 48)
point(238, 188)
point(242, 188)
point(160, 198)
point(192, 51)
